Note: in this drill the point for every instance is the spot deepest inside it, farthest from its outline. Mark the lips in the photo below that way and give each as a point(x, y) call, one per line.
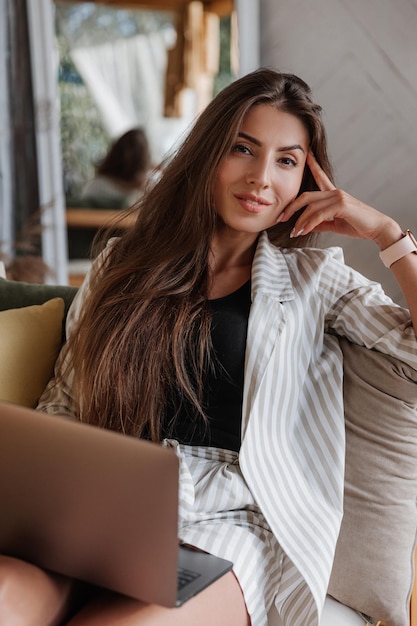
point(252, 203)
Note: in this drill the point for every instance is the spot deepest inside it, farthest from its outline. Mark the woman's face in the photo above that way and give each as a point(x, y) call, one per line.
point(263, 171)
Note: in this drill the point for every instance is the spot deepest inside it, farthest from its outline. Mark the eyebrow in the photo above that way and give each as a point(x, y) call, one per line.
point(296, 146)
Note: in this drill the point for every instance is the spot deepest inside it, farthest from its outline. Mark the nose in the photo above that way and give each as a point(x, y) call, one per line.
point(259, 173)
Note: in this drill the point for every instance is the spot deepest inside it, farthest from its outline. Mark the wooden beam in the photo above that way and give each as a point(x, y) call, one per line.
point(157, 5)
point(98, 218)
point(220, 7)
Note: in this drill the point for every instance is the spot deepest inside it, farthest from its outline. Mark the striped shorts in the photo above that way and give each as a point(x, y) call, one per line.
point(217, 514)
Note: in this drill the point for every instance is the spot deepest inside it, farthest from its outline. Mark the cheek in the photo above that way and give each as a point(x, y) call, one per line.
point(221, 181)
point(295, 185)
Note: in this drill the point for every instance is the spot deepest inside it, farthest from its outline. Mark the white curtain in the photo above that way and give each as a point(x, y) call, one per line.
point(51, 194)
point(126, 79)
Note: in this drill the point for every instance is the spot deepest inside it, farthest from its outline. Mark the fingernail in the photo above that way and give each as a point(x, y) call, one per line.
point(296, 234)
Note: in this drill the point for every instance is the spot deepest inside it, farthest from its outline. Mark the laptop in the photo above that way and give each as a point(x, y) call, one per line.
point(98, 506)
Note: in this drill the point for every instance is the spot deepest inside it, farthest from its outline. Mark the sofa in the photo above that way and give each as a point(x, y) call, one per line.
point(373, 569)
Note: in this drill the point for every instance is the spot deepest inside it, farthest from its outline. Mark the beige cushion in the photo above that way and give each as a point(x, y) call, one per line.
point(30, 340)
point(373, 568)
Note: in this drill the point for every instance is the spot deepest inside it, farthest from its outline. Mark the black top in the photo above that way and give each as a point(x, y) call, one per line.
point(223, 385)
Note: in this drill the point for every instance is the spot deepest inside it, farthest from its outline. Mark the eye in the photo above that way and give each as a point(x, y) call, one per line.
point(288, 162)
point(241, 148)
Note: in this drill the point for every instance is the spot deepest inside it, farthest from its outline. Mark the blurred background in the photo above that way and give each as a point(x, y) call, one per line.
point(75, 77)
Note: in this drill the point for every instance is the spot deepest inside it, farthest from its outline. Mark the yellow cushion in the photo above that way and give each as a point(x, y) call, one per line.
point(30, 340)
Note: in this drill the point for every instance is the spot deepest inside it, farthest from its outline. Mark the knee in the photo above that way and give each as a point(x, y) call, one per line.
point(11, 590)
point(28, 595)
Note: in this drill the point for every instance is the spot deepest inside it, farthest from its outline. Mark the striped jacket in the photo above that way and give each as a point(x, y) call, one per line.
point(292, 453)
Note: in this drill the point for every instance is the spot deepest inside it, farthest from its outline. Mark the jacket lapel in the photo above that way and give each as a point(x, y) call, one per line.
point(271, 285)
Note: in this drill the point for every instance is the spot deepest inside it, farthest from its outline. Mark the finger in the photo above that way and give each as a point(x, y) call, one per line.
point(320, 212)
point(323, 181)
point(303, 201)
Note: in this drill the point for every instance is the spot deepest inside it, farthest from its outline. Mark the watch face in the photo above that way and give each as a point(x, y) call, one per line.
point(413, 239)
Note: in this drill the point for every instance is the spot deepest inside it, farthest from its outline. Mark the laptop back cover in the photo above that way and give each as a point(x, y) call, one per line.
point(89, 503)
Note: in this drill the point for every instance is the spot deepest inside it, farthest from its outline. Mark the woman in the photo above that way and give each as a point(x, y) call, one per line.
point(122, 175)
point(209, 327)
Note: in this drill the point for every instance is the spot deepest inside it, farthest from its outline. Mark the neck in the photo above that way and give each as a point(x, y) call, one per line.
point(232, 251)
point(230, 264)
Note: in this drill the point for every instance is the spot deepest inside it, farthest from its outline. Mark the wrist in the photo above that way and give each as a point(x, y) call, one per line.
point(389, 235)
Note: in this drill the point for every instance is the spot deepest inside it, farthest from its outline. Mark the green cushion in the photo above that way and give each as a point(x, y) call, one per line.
point(17, 294)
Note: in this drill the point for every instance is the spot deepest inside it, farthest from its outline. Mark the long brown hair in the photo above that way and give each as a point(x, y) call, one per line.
point(144, 333)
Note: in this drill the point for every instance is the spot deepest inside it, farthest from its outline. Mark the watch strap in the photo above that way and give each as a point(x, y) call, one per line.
point(405, 245)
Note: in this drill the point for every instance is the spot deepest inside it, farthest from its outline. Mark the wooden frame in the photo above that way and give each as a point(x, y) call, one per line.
point(220, 7)
point(93, 219)
point(98, 218)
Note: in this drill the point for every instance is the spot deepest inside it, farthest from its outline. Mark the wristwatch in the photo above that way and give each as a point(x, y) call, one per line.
point(399, 249)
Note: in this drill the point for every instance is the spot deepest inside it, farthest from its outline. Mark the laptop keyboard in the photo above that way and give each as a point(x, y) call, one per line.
point(186, 576)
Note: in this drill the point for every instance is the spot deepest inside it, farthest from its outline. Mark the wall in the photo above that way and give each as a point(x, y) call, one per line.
point(360, 58)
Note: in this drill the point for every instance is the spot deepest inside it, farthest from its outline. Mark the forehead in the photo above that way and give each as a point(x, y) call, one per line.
point(265, 121)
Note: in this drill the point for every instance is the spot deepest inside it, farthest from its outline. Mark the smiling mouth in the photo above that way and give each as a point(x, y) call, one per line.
point(252, 204)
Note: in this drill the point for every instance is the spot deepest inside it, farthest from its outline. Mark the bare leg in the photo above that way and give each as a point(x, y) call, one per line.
point(29, 596)
point(221, 604)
